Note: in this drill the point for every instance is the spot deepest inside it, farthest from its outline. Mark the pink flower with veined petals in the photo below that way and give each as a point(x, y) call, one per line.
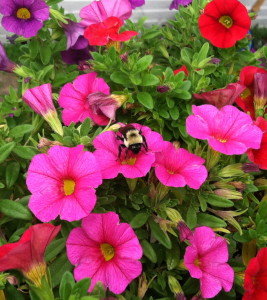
point(178, 167)
point(99, 11)
point(62, 183)
point(206, 259)
point(229, 130)
point(130, 165)
point(87, 97)
point(105, 250)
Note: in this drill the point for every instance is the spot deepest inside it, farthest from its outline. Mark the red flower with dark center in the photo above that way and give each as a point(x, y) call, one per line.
point(255, 283)
point(106, 32)
point(246, 99)
point(27, 255)
point(224, 23)
point(259, 156)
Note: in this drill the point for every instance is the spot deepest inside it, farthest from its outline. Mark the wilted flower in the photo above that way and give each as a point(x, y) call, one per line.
point(39, 99)
point(107, 32)
point(105, 250)
point(228, 130)
point(24, 17)
point(27, 255)
point(5, 64)
point(175, 3)
point(99, 11)
point(223, 24)
point(260, 94)
point(62, 183)
point(206, 259)
point(222, 97)
point(178, 167)
point(131, 165)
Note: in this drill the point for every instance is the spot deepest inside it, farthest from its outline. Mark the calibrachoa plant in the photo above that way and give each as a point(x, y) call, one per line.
point(132, 158)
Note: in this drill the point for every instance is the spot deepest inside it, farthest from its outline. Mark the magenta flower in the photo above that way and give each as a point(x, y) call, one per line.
point(175, 3)
point(222, 97)
point(99, 11)
point(73, 31)
point(62, 183)
point(130, 165)
point(24, 17)
point(178, 167)
point(206, 259)
point(5, 64)
point(228, 130)
point(88, 97)
point(105, 250)
point(39, 99)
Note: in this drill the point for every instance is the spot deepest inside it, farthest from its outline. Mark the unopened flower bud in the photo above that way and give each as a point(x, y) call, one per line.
point(229, 194)
point(124, 57)
point(184, 230)
point(260, 94)
point(120, 99)
point(215, 61)
point(197, 297)
point(231, 170)
point(142, 286)
point(260, 182)
point(175, 287)
point(173, 214)
point(163, 89)
point(250, 168)
point(12, 280)
point(238, 185)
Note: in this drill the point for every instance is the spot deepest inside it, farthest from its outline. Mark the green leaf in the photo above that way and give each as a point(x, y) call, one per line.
point(81, 287)
point(148, 250)
point(12, 173)
point(139, 220)
point(33, 46)
point(145, 99)
point(144, 62)
point(209, 220)
point(217, 200)
point(85, 127)
point(203, 53)
point(25, 152)
point(119, 77)
point(149, 79)
point(161, 236)
point(191, 217)
point(14, 210)
point(173, 257)
point(55, 248)
point(66, 284)
point(45, 53)
point(58, 267)
point(5, 151)
point(20, 130)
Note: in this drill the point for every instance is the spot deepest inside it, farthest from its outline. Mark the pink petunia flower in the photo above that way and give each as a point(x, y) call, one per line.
point(129, 164)
point(62, 183)
point(40, 100)
point(228, 130)
point(88, 97)
point(206, 259)
point(99, 11)
point(106, 251)
point(178, 167)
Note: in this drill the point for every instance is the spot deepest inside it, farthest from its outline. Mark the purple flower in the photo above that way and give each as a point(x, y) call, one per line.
point(175, 3)
point(24, 17)
point(73, 32)
point(137, 3)
point(5, 64)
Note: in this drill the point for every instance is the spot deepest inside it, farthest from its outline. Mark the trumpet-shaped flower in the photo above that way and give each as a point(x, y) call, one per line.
point(24, 17)
point(222, 97)
point(228, 130)
point(178, 167)
point(105, 250)
point(107, 32)
point(206, 259)
point(99, 11)
point(129, 164)
point(88, 97)
point(255, 283)
point(62, 183)
point(27, 255)
point(39, 99)
point(224, 23)
point(5, 64)
point(259, 156)
point(73, 31)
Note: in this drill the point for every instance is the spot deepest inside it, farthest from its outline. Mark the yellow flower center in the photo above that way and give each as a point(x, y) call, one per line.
point(69, 186)
point(36, 272)
point(170, 172)
point(222, 140)
point(23, 13)
point(246, 93)
point(197, 262)
point(107, 251)
point(226, 21)
point(130, 161)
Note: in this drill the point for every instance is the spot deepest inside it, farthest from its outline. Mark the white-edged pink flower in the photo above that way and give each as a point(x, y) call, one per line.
point(62, 183)
point(178, 167)
point(229, 130)
point(206, 259)
point(105, 250)
point(99, 11)
point(130, 165)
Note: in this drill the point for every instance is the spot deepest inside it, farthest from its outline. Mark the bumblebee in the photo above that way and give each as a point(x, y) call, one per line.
point(132, 139)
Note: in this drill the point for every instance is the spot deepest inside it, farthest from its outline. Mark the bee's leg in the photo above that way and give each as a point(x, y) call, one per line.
point(120, 150)
point(145, 143)
point(119, 138)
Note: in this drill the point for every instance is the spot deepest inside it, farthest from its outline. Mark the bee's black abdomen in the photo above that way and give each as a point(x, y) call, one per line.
point(135, 148)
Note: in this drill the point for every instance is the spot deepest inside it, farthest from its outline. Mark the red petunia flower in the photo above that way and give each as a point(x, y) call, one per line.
point(103, 33)
point(224, 23)
point(255, 283)
point(259, 156)
point(246, 99)
point(27, 255)
point(182, 69)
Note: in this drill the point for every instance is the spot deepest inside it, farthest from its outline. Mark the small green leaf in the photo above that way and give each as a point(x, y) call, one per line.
point(81, 287)
point(25, 152)
point(139, 220)
point(148, 250)
point(149, 79)
point(145, 99)
point(12, 173)
point(54, 248)
point(173, 257)
point(144, 62)
point(5, 150)
point(58, 267)
point(119, 77)
point(218, 201)
point(15, 210)
point(66, 284)
point(161, 236)
point(45, 53)
point(209, 220)
point(20, 130)
point(85, 127)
